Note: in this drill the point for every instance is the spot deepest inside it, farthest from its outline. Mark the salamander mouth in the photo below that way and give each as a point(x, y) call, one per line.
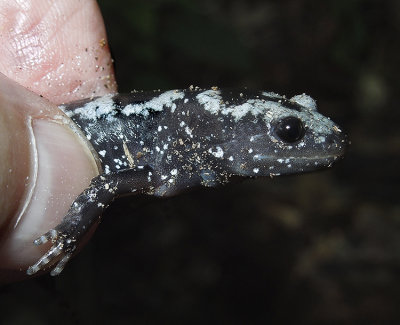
point(333, 153)
point(310, 158)
point(291, 165)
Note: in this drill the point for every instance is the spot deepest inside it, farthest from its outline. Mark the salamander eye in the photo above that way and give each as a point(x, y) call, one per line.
point(290, 129)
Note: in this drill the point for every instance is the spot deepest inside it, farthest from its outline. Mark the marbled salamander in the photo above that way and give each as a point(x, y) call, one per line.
point(161, 143)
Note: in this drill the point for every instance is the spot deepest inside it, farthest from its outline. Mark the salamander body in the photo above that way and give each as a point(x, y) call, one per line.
point(162, 143)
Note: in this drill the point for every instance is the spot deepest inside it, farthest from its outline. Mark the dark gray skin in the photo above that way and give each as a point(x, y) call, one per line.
point(162, 143)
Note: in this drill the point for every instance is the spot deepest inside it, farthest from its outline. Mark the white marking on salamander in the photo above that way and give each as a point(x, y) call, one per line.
point(104, 106)
point(156, 104)
point(305, 100)
point(219, 153)
point(188, 132)
point(211, 100)
point(95, 109)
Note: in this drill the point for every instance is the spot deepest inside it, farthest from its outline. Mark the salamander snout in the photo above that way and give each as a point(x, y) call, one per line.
point(337, 143)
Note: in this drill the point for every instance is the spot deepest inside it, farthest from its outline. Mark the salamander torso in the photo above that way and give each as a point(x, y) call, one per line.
point(162, 143)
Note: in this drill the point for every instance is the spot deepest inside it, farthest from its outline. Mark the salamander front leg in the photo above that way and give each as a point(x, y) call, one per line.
point(85, 211)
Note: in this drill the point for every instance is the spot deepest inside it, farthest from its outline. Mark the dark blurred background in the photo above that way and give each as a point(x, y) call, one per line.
point(321, 248)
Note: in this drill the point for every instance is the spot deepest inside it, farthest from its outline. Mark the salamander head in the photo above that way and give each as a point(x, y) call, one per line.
point(270, 135)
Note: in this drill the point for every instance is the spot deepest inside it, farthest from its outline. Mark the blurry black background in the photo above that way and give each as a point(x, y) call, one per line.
point(322, 248)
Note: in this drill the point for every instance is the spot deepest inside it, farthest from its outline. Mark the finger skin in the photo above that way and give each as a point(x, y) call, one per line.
point(58, 50)
point(47, 168)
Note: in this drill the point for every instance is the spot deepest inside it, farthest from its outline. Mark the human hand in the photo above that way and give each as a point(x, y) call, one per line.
point(56, 50)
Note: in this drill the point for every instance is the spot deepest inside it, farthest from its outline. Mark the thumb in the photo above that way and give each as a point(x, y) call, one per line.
point(44, 165)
